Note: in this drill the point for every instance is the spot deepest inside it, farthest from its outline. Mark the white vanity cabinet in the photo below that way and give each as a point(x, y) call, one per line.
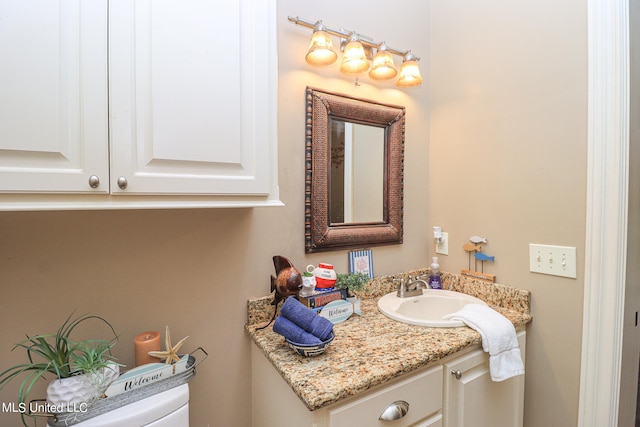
point(138, 103)
point(471, 399)
point(275, 404)
point(435, 396)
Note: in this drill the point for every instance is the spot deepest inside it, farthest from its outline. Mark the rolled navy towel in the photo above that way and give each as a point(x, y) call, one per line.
point(293, 332)
point(306, 318)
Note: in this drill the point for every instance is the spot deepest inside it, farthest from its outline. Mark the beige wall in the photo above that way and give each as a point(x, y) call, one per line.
point(508, 162)
point(194, 269)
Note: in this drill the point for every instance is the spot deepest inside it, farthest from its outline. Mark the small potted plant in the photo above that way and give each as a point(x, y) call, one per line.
point(93, 369)
point(353, 282)
point(75, 365)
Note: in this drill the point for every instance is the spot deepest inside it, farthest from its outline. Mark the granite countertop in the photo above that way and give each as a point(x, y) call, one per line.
point(372, 349)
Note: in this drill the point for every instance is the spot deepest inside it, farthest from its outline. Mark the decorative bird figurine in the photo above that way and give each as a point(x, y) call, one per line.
point(288, 281)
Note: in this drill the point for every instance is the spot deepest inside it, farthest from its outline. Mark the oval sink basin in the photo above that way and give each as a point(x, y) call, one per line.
point(427, 309)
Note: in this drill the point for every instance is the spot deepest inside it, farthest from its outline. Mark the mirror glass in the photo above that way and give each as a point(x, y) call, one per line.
point(354, 172)
point(357, 173)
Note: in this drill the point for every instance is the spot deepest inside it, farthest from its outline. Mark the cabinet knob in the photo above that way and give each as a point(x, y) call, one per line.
point(395, 411)
point(94, 181)
point(456, 374)
point(122, 183)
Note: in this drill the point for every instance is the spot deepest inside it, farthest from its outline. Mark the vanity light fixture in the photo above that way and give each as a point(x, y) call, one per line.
point(357, 52)
point(320, 51)
point(354, 59)
point(409, 72)
point(383, 67)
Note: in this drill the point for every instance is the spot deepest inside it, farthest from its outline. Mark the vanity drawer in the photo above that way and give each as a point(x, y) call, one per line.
point(423, 393)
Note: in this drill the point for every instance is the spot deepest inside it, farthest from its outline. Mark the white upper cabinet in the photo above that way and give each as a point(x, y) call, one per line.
point(191, 112)
point(53, 87)
point(186, 76)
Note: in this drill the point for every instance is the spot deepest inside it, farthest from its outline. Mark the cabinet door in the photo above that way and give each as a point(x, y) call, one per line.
point(192, 96)
point(53, 87)
point(474, 400)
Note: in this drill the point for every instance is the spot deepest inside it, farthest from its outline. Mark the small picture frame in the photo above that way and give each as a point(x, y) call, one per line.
point(361, 262)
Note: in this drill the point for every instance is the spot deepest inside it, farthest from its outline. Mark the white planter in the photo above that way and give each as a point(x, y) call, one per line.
point(81, 388)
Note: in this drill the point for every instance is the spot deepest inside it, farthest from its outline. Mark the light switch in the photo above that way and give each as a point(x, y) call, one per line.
point(553, 260)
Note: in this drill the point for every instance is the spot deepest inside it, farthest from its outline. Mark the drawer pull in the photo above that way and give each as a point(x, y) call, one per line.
point(395, 411)
point(456, 374)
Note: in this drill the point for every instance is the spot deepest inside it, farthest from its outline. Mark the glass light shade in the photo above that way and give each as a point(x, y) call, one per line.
point(321, 51)
point(354, 60)
point(383, 68)
point(409, 74)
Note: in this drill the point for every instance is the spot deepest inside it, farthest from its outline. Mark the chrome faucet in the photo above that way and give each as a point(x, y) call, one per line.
point(401, 287)
point(411, 287)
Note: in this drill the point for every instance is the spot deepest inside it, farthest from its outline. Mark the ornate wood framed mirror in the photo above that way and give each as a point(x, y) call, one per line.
point(354, 172)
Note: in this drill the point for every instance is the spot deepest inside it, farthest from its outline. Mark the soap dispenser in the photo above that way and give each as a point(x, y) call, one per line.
point(434, 279)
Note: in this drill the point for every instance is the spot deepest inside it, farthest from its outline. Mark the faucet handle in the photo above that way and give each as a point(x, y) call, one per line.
point(401, 287)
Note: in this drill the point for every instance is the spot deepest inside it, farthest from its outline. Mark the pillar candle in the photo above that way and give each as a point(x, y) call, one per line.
point(144, 343)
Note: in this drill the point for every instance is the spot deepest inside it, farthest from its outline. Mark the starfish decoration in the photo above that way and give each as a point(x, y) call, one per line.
point(170, 354)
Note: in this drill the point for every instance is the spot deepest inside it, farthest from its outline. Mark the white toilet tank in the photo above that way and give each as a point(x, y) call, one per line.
point(169, 408)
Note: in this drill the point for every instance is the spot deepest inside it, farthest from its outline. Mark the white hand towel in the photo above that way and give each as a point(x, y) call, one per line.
point(498, 339)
